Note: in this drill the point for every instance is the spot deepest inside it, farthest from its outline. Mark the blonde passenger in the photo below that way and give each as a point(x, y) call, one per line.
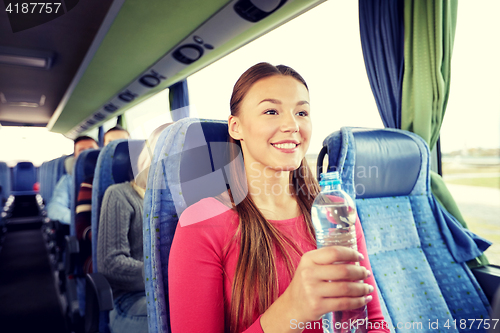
point(120, 246)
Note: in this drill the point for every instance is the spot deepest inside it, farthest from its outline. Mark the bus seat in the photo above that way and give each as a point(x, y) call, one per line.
point(24, 177)
point(5, 183)
point(24, 204)
point(83, 168)
point(188, 165)
point(42, 178)
point(59, 170)
point(5, 188)
point(45, 180)
point(387, 172)
point(495, 312)
point(50, 174)
point(114, 165)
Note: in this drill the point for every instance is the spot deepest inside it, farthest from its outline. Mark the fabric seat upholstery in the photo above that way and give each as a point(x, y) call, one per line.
point(114, 165)
point(189, 163)
point(387, 172)
point(24, 177)
point(84, 168)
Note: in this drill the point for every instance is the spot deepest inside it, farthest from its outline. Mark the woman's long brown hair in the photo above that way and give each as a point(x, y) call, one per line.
point(255, 285)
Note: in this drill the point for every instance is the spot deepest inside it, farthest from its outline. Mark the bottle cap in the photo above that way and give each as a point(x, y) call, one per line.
point(330, 178)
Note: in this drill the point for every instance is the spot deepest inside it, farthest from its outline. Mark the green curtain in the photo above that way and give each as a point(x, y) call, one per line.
point(429, 35)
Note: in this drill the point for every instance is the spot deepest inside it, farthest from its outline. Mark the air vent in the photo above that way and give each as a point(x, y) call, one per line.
point(256, 10)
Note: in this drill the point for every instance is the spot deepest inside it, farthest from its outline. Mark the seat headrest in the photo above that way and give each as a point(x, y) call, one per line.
point(68, 164)
point(387, 163)
point(86, 162)
point(24, 165)
point(124, 158)
point(204, 161)
point(378, 162)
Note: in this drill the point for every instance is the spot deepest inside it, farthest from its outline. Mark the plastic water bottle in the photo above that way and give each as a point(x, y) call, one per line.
point(333, 216)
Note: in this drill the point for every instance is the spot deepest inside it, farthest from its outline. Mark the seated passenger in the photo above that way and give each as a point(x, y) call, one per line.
point(59, 208)
point(249, 263)
point(120, 249)
point(83, 214)
point(115, 133)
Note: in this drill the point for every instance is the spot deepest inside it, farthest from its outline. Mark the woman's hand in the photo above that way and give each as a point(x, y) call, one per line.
point(323, 282)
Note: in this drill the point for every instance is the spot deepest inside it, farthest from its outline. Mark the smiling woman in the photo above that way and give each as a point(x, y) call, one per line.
point(105, 63)
point(258, 259)
point(276, 129)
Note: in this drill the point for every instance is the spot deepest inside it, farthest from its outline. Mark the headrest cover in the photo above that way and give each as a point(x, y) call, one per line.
point(68, 164)
point(90, 159)
point(125, 155)
point(204, 161)
point(24, 165)
point(387, 163)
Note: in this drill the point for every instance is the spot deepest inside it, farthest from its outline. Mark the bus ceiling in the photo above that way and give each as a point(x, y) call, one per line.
point(102, 57)
point(38, 59)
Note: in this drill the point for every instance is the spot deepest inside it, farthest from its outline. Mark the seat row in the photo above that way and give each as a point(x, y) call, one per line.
point(420, 276)
point(49, 174)
point(18, 195)
point(109, 165)
point(5, 189)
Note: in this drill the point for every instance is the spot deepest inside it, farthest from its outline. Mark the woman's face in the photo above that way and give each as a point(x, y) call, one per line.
point(274, 124)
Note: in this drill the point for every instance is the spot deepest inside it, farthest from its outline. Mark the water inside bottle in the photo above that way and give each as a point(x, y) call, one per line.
point(334, 222)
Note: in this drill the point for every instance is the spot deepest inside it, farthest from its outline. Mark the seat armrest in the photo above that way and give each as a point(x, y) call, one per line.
point(99, 297)
point(489, 279)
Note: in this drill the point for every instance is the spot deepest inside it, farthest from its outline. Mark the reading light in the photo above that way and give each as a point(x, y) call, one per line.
point(23, 57)
point(24, 104)
point(23, 101)
point(23, 61)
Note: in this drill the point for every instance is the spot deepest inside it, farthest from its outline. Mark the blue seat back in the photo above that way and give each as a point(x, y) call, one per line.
point(113, 166)
point(24, 177)
point(83, 168)
point(387, 172)
point(42, 178)
point(50, 173)
point(189, 163)
point(5, 187)
point(5, 183)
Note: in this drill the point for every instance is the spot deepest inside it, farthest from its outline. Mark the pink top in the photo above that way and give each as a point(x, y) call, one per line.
point(202, 266)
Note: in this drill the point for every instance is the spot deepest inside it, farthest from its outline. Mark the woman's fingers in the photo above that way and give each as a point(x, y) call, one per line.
point(346, 303)
point(343, 289)
point(336, 272)
point(333, 254)
point(327, 280)
point(320, 306)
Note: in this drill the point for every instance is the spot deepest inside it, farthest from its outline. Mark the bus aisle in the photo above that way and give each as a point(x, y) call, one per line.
point(28, 297)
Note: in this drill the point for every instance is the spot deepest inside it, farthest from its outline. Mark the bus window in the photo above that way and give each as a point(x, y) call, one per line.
point(35, 144)
point(143, 118)
point(332, 64)
point(470, 136)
